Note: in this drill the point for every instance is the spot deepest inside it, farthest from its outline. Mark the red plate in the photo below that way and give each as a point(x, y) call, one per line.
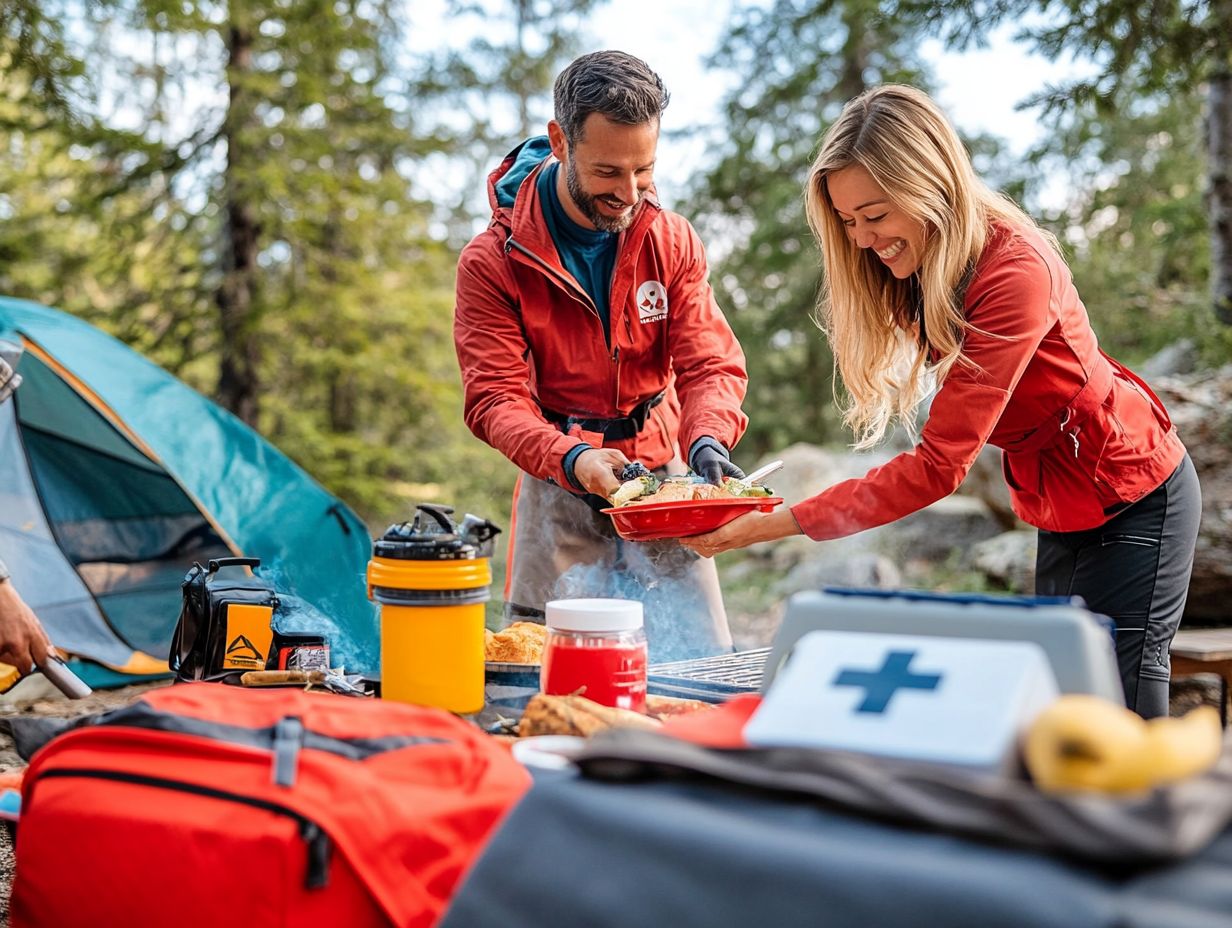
point(684, 517)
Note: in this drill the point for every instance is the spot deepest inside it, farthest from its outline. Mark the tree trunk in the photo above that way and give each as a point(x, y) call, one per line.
point(342, 403)
point(236, 297)
point(1219, 153)
point(856, 58)
point(340, 382)
point(522, 13)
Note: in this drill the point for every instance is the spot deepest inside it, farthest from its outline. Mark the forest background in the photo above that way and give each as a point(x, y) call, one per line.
point(267, 197)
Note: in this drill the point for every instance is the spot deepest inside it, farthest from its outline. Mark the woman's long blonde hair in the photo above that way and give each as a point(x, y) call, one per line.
point(872, 319)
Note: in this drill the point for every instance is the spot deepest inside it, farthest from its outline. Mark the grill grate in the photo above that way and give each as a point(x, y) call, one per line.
point(710, 678)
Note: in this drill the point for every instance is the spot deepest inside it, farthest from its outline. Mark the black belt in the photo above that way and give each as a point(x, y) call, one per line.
point(611, 429)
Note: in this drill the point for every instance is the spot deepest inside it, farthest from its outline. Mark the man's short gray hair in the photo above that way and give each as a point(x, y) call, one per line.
point(613, 84)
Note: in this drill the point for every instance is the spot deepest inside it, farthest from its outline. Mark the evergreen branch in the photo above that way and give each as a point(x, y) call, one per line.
point(174, 159)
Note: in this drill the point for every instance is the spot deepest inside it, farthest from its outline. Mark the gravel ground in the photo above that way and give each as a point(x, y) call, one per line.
point(7, 863)
point(34, 696)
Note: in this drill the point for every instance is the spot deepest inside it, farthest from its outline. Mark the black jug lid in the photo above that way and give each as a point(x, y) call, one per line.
point(433, 536)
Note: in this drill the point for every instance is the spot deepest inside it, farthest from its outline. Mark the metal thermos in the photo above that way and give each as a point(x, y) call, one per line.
point(432, 578)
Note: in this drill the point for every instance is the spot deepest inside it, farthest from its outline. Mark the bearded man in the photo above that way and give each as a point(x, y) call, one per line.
point(588, 337)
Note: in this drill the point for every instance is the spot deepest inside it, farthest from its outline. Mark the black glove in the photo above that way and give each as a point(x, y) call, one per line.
point(710, 459)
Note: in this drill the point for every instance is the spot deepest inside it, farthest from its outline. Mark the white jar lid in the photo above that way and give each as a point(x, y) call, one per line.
point(594, 615)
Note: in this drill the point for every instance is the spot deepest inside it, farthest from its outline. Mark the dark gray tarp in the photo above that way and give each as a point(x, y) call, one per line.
point(677, 852)
point(1157, 826)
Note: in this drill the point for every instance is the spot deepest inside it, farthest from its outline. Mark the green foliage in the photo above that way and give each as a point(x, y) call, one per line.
point(117, 177)
point(1152, 62)
point(1134, 221)
point(327, 137)
point(1166, 46)
point(798, 61)
point(484, 97)
point(37, 65)
point(353, 318)
point(90, 224)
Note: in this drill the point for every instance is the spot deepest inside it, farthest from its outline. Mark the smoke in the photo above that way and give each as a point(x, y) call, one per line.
point(662, 577)
point(567, 550)
point(295, 616)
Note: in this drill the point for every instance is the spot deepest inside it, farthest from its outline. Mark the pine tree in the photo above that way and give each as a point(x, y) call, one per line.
point(89, 210)
point(1134, 224)
point(1145, 54)
point(285, 201)
point(496, 90)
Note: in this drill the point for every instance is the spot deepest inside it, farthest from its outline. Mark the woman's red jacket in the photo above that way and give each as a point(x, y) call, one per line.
point(1081, 435)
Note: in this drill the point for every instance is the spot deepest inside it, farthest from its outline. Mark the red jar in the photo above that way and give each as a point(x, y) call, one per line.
point(596, 648)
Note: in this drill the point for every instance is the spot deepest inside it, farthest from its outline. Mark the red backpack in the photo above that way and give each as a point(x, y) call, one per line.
point(206, 804)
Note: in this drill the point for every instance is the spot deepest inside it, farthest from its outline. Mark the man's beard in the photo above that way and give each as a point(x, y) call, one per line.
point(588, 205)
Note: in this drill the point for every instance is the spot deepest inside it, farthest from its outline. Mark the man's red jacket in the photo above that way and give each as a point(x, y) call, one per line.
point(1082, 436)
point(529, 338)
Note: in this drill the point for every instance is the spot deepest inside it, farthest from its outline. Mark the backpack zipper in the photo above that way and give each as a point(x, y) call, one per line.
point(316, 840)
point(288, 735)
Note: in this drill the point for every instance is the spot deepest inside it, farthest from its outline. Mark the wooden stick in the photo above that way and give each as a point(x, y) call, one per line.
point(282, 677)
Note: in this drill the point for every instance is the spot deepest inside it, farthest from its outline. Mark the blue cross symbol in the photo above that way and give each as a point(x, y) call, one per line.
point(881, 685)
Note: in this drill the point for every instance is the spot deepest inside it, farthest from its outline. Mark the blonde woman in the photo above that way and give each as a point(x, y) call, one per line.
point(931, 277)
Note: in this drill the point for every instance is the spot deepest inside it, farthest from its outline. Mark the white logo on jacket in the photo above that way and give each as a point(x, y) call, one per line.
point(651, 302)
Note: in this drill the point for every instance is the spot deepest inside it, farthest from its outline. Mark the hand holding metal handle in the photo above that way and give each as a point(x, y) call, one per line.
point(65, 680)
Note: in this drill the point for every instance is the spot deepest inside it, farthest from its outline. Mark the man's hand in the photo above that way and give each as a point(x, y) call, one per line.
point(597, 470)
point(23, 643)
point(711, 461)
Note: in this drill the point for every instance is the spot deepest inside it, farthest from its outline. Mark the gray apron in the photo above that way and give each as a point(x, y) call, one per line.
point(563, 549)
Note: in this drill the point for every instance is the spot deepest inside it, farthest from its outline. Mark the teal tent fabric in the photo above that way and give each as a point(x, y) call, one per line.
point(41, 572)
point(311, 544)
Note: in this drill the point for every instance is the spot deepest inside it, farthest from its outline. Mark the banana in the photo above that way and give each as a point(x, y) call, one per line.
point(1180, 748)
point(1083, 742)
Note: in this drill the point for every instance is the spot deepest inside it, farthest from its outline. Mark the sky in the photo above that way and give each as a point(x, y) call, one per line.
point(978, 89)
point(674, 36)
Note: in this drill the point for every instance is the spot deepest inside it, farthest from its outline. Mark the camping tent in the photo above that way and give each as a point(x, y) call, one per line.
point(115, 477)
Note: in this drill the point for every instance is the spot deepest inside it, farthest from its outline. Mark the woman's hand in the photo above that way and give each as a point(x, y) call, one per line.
point(749, 529)
point(23, 643)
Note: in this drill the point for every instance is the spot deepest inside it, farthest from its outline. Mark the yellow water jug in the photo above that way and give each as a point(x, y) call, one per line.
point(432, 578)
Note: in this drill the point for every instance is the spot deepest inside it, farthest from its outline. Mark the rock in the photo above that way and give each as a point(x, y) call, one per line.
point(782, 556)
point(1178, 358)
point(807, 470)
point(757, 629)
point(985, 482)
point(970, 528)
point(865, 570)
point(1186, 693)
point(1200, 405)
point(935, 533)
point(1009, 558)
